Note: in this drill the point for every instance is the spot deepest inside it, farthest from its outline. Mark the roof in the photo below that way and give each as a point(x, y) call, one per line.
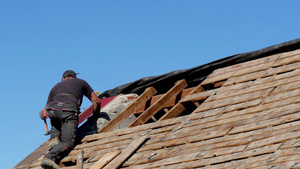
point(243, 113)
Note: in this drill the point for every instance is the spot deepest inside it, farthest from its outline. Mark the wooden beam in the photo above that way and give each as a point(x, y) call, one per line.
point(170, 103)
point(174, 112)
point(197, 89)
point(105, 159)
point(148, 93)
point(131, 148)
point(152, 110)
point(80, 159)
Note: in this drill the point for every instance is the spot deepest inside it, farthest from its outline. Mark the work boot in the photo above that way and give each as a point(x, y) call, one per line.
point(55, 141)
point(49, 164)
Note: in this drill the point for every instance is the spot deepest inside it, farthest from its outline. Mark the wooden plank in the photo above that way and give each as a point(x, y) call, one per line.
point(229, 108)
point(240, 66)
point(185, 135)
point(245, 154)
point(132, 147)
point(145, 127)
point(288, 86)
point(264, 73)
point(159, 144)
point(291, 143)
point(261, 161)
point(179, 86)
point(237, 139)
point(274, 139)
point(281, 85)
point(281, 162)
point(79, 162)
point(170, 103)
point(288, 58)
point(197, 89)
point(280, 96)
point(98, 149)
point(149, 92)
point(198, 96)
point(174, 112)
point(105, 159)
point(195, 160)
point(241, 69)
point(180, 150)
point(233, 100)
point(192, 155)
point(283, 78)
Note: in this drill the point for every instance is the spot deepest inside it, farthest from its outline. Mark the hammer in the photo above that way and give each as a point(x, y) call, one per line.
point(47, 130)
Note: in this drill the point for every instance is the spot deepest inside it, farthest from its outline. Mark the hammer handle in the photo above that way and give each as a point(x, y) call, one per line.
point(47, 130)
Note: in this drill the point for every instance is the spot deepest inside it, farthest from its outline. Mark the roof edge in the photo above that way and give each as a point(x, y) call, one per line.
point(196, 75)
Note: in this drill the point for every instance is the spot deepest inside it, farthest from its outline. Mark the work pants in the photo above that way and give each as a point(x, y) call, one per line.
point(64, 123)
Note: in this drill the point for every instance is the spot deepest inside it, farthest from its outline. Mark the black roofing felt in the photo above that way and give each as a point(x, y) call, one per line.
point(196, 75)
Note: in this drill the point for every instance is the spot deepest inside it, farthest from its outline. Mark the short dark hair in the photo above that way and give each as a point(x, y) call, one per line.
point(69, 73)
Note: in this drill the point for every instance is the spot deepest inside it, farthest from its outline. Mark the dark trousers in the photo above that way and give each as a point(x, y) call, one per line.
point(64, 123)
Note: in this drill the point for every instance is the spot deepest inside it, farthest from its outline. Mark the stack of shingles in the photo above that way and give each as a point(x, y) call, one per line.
point(250, 121)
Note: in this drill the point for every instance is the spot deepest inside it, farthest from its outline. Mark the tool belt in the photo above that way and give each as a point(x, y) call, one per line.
point(62, 106)
point(61, 110)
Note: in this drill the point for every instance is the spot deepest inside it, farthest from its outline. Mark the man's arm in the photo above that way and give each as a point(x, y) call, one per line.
point(96, 102)
point(43, 114)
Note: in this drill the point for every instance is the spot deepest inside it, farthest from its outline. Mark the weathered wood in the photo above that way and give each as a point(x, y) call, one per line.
point(197, 89)
point(274, 139)
point(241, 69)
point(264, 73)
point(186, 155)
point(174, 112)
point(105, 160)
point(198, 96)
point(266, 123)
point(229, 108)
point(126, 152)
point(281, 96)
point(233, 100)
point(80, 159)
point(287, 58)
point(189, 160)
point(179, 86)
point(171, 102)
point(185, 136)
point(149, 92)
point(283, 78)
point(238, 67)
point(281, 85)
point(245, 154)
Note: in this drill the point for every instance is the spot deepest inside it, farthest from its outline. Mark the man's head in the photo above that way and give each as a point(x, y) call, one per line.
point(69, 74)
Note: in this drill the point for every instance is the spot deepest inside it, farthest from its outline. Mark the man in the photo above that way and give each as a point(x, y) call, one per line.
point(62, 108)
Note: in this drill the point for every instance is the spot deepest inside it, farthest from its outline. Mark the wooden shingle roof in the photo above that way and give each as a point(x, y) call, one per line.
point(241, 116)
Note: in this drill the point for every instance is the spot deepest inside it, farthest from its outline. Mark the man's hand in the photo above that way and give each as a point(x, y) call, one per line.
point(42, 114)
point(96, 103)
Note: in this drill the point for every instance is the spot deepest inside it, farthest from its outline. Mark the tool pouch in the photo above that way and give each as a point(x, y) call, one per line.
point(60, 110)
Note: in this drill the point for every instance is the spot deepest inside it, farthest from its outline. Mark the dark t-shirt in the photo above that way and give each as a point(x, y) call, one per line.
point(69, 91)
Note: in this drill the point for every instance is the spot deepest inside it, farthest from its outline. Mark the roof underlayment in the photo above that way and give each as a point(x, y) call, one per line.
point(238, 112)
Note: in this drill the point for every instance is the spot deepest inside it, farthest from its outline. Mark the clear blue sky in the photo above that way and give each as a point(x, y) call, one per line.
point(116, 42)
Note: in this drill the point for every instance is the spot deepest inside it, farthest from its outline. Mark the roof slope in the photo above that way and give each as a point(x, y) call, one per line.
point(241, 116)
